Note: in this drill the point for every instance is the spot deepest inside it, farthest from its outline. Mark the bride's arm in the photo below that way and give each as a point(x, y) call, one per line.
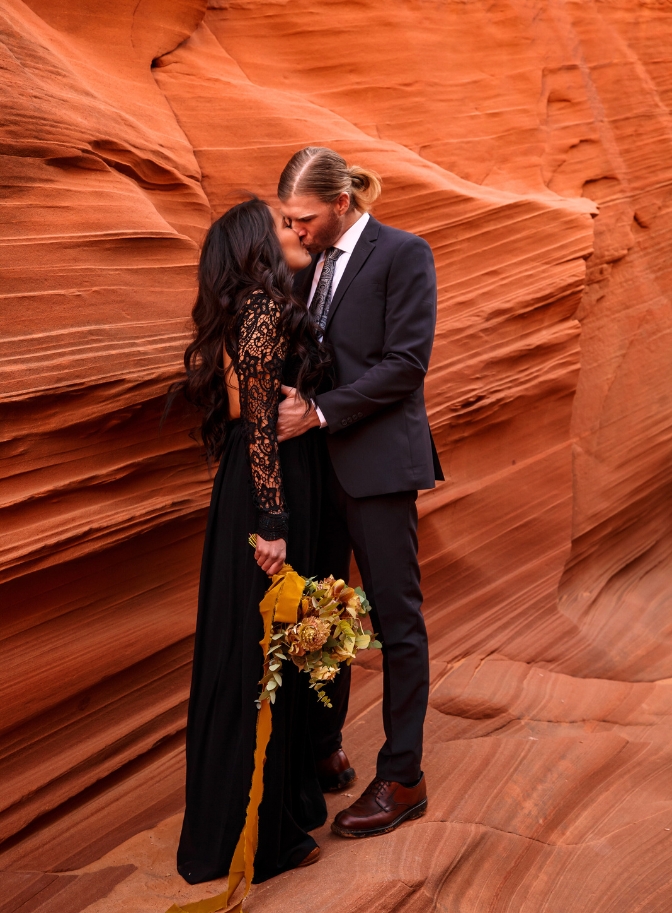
point(261, 356)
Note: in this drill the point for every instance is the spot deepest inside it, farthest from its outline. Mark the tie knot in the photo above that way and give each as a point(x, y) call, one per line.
point(333, 253)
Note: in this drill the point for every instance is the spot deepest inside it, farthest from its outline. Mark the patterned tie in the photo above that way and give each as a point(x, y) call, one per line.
point(321, 302)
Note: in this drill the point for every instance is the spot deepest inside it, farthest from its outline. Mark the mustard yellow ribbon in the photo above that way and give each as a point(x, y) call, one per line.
point(280, 604)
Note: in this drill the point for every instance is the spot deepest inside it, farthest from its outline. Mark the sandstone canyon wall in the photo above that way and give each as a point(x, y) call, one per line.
point(530, 143)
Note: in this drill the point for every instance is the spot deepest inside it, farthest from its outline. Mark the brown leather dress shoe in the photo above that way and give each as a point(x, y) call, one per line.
point(335, 773)
point(382, 806)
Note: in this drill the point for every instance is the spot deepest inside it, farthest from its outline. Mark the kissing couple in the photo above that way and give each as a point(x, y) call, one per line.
point(313, 329)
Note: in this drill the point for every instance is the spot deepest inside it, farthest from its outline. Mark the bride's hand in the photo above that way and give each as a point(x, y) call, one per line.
point(293, 417)
point(270, 555)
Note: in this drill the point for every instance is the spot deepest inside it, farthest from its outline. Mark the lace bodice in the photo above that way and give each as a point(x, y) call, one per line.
point(261, 355)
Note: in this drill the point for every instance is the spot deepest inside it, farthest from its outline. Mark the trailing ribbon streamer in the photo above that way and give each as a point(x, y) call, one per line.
point(281, 604)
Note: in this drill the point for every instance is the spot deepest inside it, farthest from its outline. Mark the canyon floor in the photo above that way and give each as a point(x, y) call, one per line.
point(533, 809)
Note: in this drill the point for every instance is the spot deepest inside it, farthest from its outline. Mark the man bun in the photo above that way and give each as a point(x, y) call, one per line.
point(366, 187)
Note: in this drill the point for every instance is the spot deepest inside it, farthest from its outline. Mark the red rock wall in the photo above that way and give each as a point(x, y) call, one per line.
point(530, 143)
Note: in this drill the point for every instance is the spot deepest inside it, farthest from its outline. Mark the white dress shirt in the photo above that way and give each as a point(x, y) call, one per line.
point(346, 243)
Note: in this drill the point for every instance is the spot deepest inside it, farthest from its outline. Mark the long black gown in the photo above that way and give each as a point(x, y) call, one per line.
point(275, 491)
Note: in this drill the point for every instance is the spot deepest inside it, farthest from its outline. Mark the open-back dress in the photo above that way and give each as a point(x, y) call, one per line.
point(274, 490)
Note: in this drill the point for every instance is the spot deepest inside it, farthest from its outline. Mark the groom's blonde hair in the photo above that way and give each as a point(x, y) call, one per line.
point(324, 173)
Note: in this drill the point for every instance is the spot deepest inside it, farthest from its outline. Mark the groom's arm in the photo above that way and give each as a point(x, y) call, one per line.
point(410, 320)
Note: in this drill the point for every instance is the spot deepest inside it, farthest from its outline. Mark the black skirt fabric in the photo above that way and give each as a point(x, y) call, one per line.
point(228, 662)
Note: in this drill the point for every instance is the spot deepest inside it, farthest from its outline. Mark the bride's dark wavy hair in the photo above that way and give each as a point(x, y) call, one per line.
point(241, 253)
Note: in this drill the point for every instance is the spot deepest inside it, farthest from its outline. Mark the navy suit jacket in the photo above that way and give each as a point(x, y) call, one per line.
point(380, 331)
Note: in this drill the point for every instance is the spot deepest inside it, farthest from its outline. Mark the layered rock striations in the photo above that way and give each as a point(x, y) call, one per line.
point(530, 144)
point(101, 510)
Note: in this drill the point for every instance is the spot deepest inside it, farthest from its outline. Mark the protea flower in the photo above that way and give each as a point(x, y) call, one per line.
point(313, 633)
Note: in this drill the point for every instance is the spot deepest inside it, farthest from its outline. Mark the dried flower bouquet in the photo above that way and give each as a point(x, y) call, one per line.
point(328, 632)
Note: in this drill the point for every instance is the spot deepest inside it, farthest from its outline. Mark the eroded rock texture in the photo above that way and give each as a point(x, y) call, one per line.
point(531, 144)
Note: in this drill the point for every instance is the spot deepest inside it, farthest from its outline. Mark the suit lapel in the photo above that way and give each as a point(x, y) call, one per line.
point(358, 258)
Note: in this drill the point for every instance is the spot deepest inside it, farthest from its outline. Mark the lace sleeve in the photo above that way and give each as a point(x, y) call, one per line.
point(261, 356)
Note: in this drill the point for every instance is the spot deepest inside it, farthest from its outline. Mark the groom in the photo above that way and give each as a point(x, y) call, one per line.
point(372, 291)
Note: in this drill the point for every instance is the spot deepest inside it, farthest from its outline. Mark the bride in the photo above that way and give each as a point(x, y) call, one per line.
point(250, 336)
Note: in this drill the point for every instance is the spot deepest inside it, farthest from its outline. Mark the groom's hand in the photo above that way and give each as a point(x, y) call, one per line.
point(293, 420)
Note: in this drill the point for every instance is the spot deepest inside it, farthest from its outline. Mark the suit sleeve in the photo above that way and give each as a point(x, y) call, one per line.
point(410, 321)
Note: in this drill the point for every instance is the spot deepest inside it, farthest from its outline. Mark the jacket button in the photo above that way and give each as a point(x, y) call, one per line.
point(344, 421)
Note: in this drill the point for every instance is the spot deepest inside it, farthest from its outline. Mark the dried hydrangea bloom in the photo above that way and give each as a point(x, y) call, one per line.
point(324, 673)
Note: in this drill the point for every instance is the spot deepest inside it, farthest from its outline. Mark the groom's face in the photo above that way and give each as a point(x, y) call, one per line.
point(319, 225)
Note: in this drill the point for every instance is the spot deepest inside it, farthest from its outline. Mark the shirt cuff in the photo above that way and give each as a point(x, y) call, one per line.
point(320, 415)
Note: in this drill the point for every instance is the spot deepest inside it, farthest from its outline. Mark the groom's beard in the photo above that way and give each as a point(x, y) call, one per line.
point(327, 235)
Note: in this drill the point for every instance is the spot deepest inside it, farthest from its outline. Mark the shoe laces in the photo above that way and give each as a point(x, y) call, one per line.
point(376, 786)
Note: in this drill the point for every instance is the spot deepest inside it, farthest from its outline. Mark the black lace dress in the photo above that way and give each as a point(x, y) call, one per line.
point(275, 491)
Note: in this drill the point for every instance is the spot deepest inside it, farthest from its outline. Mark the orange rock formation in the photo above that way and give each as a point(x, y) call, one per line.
point(530, 142)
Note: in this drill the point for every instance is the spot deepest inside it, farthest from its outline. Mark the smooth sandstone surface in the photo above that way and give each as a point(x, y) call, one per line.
point(531, 144)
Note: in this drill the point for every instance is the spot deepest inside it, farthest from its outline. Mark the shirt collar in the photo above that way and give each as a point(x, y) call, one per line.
point(350, 237)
